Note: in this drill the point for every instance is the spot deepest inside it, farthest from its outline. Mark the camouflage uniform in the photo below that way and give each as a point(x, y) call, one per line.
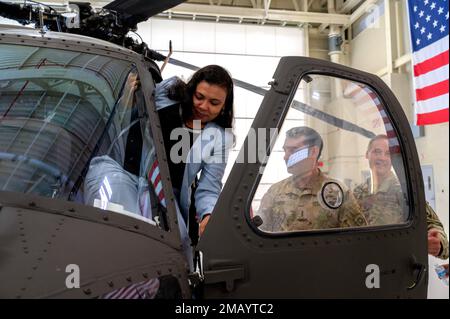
point(434, 222)
point(383, 206)
point(285, 207)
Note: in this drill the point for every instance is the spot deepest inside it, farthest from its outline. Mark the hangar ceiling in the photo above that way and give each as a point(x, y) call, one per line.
point(294, 13)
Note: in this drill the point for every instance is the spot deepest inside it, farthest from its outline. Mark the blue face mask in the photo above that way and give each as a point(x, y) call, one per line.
point(298, 156)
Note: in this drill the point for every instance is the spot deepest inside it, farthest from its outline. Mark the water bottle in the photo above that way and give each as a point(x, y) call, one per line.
point(442, 273)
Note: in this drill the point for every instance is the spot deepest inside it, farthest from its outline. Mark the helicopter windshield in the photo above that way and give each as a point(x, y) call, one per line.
point(58, 109)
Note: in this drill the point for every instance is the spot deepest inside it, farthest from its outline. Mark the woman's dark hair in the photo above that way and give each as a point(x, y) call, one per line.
point(212, 74)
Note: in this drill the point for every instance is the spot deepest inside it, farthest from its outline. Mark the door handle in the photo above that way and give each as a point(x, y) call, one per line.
point(420, 271)
point(228, 276)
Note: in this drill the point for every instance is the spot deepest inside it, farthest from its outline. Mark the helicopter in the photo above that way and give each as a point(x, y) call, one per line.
point(63, 103)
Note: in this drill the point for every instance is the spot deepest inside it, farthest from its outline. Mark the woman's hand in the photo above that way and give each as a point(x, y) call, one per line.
point(203, 223)
point(133, 82)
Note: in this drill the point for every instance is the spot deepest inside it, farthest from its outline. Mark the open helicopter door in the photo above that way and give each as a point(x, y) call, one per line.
point(354, 228)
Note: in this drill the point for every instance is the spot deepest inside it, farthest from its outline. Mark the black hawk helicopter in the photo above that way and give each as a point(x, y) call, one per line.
point(63, 104)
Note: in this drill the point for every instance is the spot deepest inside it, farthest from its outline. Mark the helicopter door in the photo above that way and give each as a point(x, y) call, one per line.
point(333, 206)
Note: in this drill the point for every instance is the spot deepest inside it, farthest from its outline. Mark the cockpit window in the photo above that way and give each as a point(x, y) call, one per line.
point(54, 109)
point(336, 163)
point(72, 126)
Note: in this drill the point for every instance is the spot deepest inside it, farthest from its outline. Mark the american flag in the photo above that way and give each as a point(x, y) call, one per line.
point(143, 290)
point(154, 177)
point(150, 168)
point(372, 112)
point(429, 38)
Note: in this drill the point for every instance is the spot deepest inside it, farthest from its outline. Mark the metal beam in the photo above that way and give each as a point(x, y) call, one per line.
point(322, 27)
point(404, 59)
point(364, 8)
point(267, 6)
point(389, 40)
point(276, 15)
point(305, 6)
point(348, 6)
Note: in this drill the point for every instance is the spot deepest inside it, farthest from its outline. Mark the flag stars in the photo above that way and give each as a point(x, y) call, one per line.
point(442, 29)
point(417, 25)
point(415, 8)
point(441, 10)
point(435, 23)
point(429, 36)
point(446, 16)
point(433, 5)
point(428, 18)
point(421, 13)
point(426, 2)
point(422, 31)
point(417, 41)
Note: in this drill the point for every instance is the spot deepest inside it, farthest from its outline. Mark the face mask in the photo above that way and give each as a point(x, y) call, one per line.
point(299, 163)
point(298, 156)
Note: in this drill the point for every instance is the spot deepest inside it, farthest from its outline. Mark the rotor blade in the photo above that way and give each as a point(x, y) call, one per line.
point(302, 107)
point(141, 10)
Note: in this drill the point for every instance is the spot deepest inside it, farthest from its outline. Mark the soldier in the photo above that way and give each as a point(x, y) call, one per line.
point(308, 199)
point(381, 197)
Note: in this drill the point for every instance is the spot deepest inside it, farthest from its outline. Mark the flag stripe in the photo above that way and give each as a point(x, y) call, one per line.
point(391, 134)
point(393, 141)
point(437, 117)
point(147, 289)
point(368, 102)
point(431, 50)
point(433, 105)
point(158, 188)
point(388, 127)
point(432, 77)
point(394, 149)
point(157, 179)
point(154, 175)
point(431, 64)
point(432, 91)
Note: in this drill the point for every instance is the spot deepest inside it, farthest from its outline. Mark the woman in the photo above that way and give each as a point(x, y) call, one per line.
point(197, 120)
